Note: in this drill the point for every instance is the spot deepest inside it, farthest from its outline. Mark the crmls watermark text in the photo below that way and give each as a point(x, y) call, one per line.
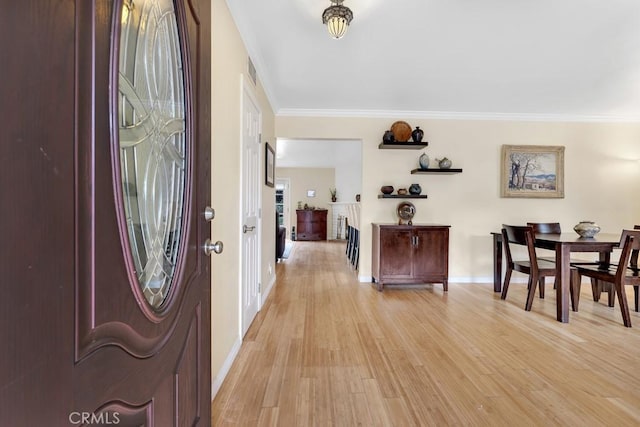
point(103, 418)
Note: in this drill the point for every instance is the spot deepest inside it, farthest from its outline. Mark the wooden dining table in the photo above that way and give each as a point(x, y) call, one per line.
point(563, 244)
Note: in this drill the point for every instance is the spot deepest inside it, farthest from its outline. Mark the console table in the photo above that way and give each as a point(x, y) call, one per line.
point(409, 254)
point(311, 224)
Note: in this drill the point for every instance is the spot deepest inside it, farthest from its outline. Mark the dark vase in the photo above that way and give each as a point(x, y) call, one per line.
point(386, 189)
point(417, 134)
point(415, 189)
point(388, 137)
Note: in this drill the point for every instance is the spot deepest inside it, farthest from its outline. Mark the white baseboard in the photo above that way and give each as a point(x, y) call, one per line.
point(365, 279)
point(468, 279)
point(218, 379)
point(226, 366)
point(463, 279)
point(267, 290)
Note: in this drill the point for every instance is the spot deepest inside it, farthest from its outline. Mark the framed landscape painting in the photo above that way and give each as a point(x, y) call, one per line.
point(532, 171)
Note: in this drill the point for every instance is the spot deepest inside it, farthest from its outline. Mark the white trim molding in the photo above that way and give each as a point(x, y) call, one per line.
point(452, 115)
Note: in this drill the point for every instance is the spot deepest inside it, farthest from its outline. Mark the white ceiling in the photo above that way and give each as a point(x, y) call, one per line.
point(564, 59)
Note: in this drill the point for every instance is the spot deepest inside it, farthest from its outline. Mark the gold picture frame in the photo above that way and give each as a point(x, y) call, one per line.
point(532, 171)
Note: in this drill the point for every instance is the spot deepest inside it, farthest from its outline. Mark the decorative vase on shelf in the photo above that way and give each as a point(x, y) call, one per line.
point(388, 137)
point(415, 189)
point(417, 134)
point(424, 161)
point(386, 189)
point(444, 163)
point(587, 228)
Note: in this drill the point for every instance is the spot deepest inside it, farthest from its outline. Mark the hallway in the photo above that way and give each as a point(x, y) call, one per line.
point(327, 350)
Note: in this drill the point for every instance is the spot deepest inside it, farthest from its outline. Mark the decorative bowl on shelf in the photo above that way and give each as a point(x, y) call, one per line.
point(405, 211)
point(587, 228)
point(402, 191)
point(387, 189)
point(401, 131)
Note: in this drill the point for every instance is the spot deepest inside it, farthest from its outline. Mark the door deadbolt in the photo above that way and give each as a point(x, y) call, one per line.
point(209, 213)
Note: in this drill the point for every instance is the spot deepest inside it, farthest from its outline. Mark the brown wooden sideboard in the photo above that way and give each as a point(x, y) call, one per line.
point(410, 254)
point(311, 224)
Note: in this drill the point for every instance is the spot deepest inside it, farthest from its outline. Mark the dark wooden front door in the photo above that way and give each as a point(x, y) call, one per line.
point(88, 335)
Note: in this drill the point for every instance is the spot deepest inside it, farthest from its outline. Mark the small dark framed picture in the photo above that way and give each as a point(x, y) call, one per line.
point(269, 165)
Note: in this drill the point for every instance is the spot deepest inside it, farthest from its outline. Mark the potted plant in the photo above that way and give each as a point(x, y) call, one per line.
point(334, 194)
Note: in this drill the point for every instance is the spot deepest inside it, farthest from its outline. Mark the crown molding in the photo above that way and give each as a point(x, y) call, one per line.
point(451, 115)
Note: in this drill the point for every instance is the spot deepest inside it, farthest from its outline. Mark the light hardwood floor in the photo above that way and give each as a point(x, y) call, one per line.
point(327, 350)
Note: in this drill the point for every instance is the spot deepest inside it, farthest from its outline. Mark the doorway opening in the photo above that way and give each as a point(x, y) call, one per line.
point(314, 170)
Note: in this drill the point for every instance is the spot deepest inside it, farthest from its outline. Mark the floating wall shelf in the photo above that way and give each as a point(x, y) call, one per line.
point(398, 196)
point(436, 171)
point(409, 145)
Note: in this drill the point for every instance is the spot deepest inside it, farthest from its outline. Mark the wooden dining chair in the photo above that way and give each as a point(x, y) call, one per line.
point(536, 268)
point(596, 287)
point(545, 228)
point(633, 265)
point(625, 272)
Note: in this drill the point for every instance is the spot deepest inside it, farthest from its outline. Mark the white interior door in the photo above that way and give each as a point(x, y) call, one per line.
point(251, 202)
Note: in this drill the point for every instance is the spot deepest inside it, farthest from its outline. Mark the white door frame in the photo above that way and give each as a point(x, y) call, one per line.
point(286, 183)
point(250, 263)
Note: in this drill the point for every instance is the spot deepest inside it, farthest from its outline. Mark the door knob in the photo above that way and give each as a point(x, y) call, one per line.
point(246, 228)
point(216, 247)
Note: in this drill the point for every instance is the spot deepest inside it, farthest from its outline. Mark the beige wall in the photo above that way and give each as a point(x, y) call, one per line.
point(229, 64)
point(602, 175)
point(303, 179)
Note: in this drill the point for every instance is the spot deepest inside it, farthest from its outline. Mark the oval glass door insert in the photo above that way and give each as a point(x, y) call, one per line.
point(152, 132)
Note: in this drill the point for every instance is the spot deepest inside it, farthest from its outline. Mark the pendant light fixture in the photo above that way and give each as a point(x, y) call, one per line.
point(337, 18)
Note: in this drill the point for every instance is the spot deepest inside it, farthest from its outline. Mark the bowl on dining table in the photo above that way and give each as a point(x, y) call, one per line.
point(586, 229)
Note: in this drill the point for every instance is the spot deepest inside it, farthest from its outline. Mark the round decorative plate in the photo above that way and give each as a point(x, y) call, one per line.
point(406, 211)
point(401, 131)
